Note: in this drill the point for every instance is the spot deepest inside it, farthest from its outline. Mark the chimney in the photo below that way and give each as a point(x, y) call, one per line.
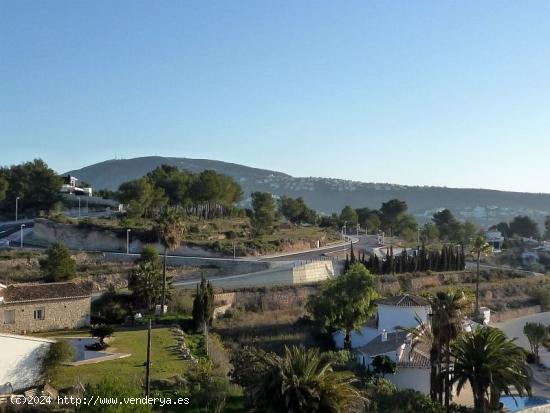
point(384, 335)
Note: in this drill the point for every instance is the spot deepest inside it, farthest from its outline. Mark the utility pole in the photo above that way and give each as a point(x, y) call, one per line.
point(128, 241)
point(78, 207)
point(22, 226)
point(418, 235)
point(148, 363)
point(234, 251)
point(16, 208)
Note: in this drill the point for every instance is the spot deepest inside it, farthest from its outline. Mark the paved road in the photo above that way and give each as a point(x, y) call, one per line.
point(9, 228)
point(363, 243)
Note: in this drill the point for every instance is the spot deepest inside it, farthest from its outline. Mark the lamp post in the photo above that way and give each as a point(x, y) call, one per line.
point(16, 208)
point(22, 226)
point(128, 241)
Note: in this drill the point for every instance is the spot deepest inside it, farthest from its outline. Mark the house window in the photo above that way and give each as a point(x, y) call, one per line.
point(9, 316)
point(39, 314)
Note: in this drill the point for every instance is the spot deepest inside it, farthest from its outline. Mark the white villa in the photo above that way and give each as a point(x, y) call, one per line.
point(386, 338)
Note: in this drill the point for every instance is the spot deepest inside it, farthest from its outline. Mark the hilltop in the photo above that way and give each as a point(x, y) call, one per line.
point(330, 195)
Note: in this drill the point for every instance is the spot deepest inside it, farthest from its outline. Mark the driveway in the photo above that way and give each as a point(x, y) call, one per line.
point(514, 329)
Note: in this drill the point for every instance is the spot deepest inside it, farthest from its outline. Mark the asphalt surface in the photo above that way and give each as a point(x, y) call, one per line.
point(364, 243)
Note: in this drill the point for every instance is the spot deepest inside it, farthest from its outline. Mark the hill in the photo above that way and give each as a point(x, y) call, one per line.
point(330, 195)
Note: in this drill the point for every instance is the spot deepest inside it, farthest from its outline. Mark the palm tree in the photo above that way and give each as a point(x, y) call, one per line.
point(449, 306)
point(303, 381)
point(426, 335)
point(480, 247)
point(171, 231)
point(444, 326)
point(491, 364)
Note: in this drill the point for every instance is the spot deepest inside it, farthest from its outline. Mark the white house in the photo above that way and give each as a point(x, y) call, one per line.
point(495, 238)
point(385, 337)
point(393, 312)
point(20, 361)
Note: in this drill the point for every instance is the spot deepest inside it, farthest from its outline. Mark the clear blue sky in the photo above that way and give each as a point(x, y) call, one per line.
point(453, 93)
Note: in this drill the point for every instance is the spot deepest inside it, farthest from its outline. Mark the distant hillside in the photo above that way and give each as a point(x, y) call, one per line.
point(330, 195)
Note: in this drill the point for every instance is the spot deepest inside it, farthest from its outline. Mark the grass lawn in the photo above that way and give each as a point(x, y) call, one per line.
point(165, 362)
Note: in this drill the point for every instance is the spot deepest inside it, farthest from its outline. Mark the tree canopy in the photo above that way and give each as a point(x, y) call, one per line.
point(348, 215)
point(346, 302)
point(296, 210)
point(302, 380)
point(491, 363)
point(167, 186)
point(58, 265)
point(145, 280)
point(264, 217)
point(536, 333)
point(3, 187)
point(36, 185)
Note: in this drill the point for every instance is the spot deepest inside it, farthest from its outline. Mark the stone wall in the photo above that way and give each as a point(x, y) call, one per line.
point(497, 317)
point(276, 298)
point(58, 315)
point(46, 232)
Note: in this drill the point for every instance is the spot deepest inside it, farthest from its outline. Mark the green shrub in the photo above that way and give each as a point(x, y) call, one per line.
point(59, 352)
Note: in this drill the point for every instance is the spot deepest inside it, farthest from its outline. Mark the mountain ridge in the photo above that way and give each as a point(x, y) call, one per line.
point(331, 194)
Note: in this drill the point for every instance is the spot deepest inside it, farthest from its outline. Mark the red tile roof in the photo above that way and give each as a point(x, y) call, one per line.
point(44, 292)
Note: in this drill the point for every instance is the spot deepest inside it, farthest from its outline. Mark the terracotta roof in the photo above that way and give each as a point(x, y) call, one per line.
point(404, 301)
point(43, 292)
point(416, 359)
point(377, 347)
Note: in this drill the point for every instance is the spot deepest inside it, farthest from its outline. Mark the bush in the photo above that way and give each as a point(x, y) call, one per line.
point(111, 308)
point(59, 352)
point(181, 302)
point(102, 331)
point(113, 388)
point(542, 297)
point(58, 264)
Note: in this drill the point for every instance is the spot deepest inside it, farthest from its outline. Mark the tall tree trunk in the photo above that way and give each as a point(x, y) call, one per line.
point(163, 301)
point(447, 372)
point(433, 375)
point(347, 340)
point(439, 375)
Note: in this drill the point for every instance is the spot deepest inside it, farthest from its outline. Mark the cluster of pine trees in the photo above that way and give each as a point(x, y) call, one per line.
point(450, 258)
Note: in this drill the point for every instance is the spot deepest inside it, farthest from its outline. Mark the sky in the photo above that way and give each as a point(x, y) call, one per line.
point(448, 93)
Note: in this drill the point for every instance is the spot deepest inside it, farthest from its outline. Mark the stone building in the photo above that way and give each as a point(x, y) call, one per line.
point(29, 308)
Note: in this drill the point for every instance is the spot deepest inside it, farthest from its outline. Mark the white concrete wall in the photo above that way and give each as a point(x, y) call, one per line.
point(358, 338)
point(411, 378)
point(20, 360)
point(390, 317)
point(312, 272)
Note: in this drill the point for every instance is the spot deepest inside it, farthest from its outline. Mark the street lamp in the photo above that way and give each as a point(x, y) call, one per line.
point(16, 207)
point(128, 241)
point(22, 226)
